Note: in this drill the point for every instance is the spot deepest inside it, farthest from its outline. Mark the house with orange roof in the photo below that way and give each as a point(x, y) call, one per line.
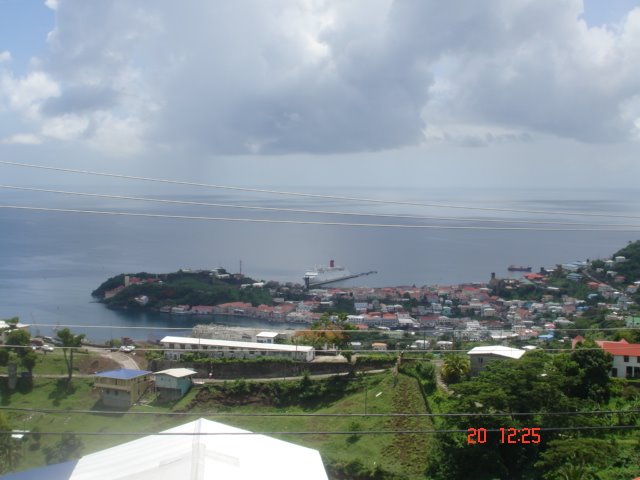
point(626, 358)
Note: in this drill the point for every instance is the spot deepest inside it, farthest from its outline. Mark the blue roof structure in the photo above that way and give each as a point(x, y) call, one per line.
point(58, 471)
point(122, 374)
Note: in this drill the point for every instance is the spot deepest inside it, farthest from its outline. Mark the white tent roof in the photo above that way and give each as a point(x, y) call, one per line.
point(499, 350)
point(227, 452)
point(177, 372)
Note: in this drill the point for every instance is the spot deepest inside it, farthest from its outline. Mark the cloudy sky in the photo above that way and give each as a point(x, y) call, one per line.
point(316, 92)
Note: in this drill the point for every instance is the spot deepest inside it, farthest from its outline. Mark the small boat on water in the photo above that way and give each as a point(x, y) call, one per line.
point(518, 268)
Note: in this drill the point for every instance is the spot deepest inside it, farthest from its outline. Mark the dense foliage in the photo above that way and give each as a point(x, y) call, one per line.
point(305, 392)
point(631, 267)
point(182, 288)
point(538, 385)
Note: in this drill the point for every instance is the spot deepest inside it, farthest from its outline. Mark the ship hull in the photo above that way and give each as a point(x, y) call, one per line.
point(514, 268)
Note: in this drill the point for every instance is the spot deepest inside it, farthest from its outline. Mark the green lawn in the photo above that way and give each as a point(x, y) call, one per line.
point(52, 363)
point(403, 455)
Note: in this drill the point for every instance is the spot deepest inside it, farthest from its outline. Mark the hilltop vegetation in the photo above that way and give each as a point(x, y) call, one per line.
point(544, 386)
point(631, 267)
point(181, 288)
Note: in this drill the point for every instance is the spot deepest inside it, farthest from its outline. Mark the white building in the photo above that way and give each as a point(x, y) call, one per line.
point(173, 383)
point(626, 358)
point(267, 337)
point(176, 346)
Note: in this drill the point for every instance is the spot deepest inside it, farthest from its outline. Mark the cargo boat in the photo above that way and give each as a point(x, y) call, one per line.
point(518, 268)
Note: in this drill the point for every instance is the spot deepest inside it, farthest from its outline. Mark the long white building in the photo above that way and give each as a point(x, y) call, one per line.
point(174, 347)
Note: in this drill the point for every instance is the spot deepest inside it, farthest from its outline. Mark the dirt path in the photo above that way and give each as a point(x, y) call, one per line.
point(125, 360)
point(439, 381)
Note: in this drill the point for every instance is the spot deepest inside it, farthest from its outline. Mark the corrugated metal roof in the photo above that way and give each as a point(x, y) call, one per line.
point(177, 372)
point(122, 374)
point(231, 343)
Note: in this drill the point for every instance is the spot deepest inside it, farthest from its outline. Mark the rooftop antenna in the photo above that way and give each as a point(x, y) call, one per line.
point(240, 266)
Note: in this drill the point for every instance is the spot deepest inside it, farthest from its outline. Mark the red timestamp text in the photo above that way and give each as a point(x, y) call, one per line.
point(509, 435)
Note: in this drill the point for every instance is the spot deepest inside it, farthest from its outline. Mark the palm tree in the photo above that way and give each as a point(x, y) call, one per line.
point(454, 368)
point(69, 343)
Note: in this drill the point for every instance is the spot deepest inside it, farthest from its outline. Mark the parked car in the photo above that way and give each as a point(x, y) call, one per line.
point(47, 348)
point(126, 349)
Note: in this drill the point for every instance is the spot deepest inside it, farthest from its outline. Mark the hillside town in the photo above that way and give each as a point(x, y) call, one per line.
point(447, 337)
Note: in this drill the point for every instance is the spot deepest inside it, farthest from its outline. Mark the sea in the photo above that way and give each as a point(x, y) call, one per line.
point(51, 261)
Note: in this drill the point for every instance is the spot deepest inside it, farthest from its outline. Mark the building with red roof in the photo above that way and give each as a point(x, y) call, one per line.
point(626, 358)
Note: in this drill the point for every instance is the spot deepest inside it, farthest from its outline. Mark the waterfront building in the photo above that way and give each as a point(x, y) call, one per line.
point(267, 337)
point(175, 347)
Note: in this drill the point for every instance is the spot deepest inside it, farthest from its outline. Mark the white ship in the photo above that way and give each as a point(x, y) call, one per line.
point(324, 275)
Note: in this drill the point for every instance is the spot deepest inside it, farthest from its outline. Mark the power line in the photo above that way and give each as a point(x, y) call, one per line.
point(321, 415)
point(58, 325)
point(301, 222)
point(309, 195)
point(405, 351)
point(319, 432)
point(311, 211)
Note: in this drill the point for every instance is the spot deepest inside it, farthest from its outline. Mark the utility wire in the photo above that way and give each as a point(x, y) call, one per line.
point(301, 222)
point(385, 415)
point(318, 432)
point(309, 195)
point(417, 351)
point(372, 331)
point(299, 210)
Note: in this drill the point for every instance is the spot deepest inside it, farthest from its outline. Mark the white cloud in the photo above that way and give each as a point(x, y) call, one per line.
point(5, 56)
point(52, 4)
point(117, 136)
point(26, 94)
point(21, 139)
point(65, 127)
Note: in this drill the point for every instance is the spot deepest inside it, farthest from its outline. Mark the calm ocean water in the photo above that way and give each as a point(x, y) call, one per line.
point(50, 262)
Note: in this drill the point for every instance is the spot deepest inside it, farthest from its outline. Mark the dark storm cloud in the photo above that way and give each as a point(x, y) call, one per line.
point(325, 76)
point(79, 100)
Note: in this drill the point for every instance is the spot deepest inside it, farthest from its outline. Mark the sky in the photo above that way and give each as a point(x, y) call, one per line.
point(324, 93)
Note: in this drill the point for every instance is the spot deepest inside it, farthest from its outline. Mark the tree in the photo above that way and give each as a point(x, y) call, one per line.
point(587, 372)
point(328, 331)
point(454, 368)
point(576, 458)
point(69, 343)
point(9, 451)
point(4, 357)
point(29, 360)
point(20, 338)
point(68, 447)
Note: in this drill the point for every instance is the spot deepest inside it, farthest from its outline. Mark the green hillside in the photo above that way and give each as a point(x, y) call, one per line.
point(181, 288)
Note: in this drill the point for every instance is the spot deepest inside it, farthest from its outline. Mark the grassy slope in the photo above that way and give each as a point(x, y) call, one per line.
point(402, 454)
point(52, 363)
